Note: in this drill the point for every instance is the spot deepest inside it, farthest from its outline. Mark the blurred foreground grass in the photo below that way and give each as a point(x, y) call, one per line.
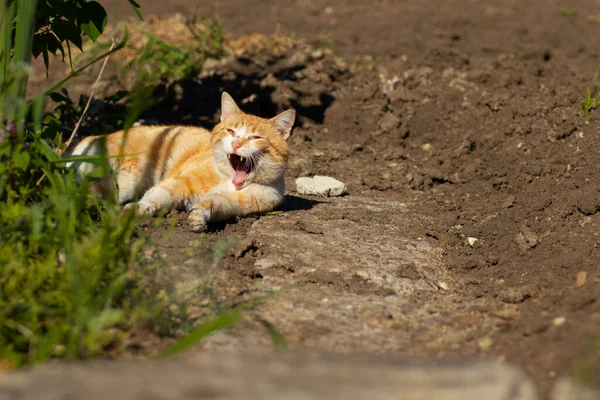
point(74, 279)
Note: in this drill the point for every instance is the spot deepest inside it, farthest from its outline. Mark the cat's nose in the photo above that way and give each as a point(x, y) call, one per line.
point(235, 146)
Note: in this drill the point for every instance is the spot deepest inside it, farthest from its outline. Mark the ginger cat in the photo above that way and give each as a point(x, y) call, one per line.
point(235, 170)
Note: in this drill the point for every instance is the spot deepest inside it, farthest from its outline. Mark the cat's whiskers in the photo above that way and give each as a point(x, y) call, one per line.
point(253, 161)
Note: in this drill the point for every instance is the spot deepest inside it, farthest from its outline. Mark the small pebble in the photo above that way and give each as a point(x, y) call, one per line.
point(581, 278)
point(526, 239)
point(472, 241)
point(485, 343)
point(509, 202)
point(507, 314)
point(317, 54)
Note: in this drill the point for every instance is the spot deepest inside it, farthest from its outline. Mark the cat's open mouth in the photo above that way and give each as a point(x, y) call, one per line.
point(241, 168)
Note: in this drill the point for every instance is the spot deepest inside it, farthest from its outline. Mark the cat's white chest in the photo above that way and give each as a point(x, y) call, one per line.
point(223, 188)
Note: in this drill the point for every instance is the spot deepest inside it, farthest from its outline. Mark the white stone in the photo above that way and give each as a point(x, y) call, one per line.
point(472, 241)
point(320, 186)
point(426, 146)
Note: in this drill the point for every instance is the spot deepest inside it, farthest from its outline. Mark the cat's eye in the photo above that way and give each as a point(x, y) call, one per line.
point(254, 137)
point(230, 131)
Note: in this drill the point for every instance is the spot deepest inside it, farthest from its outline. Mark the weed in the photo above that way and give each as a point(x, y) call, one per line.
point(75, 276)
point(172, 49)
point(592, 98)
point(209, 36)
point(277, 337)
point(67, 286)
point(587, 367)
point(221, 321)
point(589, 103)
point(167, 62)
point(200, 332)
point(217, 318)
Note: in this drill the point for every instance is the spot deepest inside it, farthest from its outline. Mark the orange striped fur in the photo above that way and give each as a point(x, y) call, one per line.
point(235, 170)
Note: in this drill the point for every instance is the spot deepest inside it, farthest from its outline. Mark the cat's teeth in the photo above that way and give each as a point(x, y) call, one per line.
point(243, 159)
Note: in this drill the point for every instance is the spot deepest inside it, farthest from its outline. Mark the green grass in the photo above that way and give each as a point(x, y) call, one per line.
point(165, 62)
point(161, 61)
point(73, 279)
point(74, 275)
point(589, 102)
point(587, 367)
point(569, 13)
point(68, 288)
point(222, 320)
point(592, 97)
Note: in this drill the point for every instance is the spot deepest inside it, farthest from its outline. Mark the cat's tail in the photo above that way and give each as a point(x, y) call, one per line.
point(89, 146)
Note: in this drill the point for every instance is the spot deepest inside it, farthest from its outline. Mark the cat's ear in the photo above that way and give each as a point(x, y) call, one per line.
point(228, 107)
point(284, 122)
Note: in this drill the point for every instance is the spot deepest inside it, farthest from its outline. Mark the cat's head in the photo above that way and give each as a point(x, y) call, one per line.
point(249, 148)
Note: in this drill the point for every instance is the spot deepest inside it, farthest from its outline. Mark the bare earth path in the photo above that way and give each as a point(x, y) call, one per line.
point(472, 222)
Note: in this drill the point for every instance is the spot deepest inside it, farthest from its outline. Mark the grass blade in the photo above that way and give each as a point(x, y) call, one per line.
point(23, 43)
point(6, 17)
point(200, 332)
point(91, 158)
point(277, 337)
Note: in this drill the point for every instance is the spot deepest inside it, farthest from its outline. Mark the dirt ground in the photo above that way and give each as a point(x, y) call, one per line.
point(473, 216)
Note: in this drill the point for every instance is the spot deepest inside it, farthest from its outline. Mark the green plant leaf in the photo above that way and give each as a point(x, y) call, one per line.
point(136, 8)
point(38, 112)
point(54, 45)
point(45, 55)
point(220, 249)
point(47, 151)
point(65, 8)
point(57, 97)
point(97, 173)
point(106, 319)
point(66, 30)
point(36, 216)
point(92, 19)
point(96, 158)
point(115, 97)
point(200, 332)
point(46, 43)
point(38, 45)
point(21, 159)
point(75, 73)
point(277, 337)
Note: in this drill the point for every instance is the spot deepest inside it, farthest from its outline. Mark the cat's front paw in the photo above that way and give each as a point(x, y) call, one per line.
point(141, 208)
point(198, 219)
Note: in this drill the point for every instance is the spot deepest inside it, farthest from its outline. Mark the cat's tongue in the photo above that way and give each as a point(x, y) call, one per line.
point(239, 176)
point(240, 170)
